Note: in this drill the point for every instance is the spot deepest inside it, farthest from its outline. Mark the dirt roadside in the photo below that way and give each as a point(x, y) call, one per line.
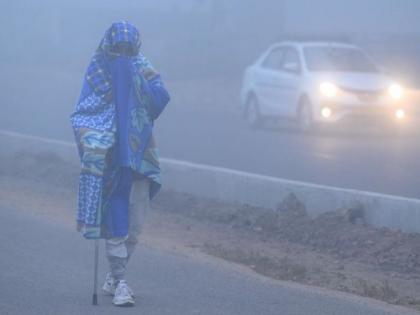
point(329, 251)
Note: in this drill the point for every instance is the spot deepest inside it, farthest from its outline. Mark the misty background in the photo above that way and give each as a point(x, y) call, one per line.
point(205, 38)
point(201, 48)
point(207, 42)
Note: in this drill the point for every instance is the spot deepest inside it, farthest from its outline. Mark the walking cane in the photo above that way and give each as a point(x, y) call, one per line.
point(95, 277)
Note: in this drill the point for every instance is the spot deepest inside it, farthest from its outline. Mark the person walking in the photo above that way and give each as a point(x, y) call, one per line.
point(122, 96)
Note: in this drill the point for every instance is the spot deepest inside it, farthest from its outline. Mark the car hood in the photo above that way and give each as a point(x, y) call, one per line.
point(355, 81)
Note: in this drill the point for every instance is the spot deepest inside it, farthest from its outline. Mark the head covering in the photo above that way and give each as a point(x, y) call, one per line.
point(122, 38)
point(121, 33)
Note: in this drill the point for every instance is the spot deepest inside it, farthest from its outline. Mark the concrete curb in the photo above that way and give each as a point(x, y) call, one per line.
point(245, 188)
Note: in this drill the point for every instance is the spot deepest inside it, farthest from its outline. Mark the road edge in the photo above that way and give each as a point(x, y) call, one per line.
point(245, 188)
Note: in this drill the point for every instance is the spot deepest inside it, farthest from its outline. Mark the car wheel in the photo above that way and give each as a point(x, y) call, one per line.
point(305, 117)
point(252, 113)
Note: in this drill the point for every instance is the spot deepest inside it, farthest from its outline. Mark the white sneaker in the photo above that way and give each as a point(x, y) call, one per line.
point(110, 285)
point(123, 295)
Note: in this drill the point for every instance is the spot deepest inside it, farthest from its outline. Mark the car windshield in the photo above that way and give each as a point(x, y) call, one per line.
point(341, 59)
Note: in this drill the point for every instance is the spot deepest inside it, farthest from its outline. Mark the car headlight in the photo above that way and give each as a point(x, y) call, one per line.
point(396, 91)
point(328, 89)
point(400, 114)
point(326, 112)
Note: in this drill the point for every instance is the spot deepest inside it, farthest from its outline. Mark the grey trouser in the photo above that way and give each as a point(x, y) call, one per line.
point(120, 249)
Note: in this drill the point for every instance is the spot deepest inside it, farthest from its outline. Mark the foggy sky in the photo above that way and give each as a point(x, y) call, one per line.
point(200, 37)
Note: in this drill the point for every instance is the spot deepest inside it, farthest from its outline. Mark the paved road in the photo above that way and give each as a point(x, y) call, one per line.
point(46, 269)
point(365, 161)
point(215, 134)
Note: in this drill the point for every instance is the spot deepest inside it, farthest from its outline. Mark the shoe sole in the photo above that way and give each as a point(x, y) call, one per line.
point(110, 293)
point(128, 303)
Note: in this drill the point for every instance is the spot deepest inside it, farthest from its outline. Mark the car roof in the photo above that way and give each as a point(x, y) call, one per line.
point(314, 44)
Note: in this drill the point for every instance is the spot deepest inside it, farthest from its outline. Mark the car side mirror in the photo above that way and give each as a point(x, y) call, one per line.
point(291, 67)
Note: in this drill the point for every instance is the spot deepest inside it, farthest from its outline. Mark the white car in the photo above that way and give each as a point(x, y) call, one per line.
point(319, 83)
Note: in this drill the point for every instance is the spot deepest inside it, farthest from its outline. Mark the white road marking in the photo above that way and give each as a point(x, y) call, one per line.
point(324, 156)
point(219, 169)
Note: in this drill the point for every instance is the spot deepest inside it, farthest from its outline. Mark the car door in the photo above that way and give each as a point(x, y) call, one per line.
point(289, 81)
point(268, 83)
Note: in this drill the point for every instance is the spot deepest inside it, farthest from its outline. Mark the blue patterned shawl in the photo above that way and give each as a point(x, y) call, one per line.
point(94, 125)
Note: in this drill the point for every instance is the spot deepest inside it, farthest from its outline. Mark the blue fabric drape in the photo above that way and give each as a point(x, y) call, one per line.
point(117, 219)
point(122, 88)
point(113, 125)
